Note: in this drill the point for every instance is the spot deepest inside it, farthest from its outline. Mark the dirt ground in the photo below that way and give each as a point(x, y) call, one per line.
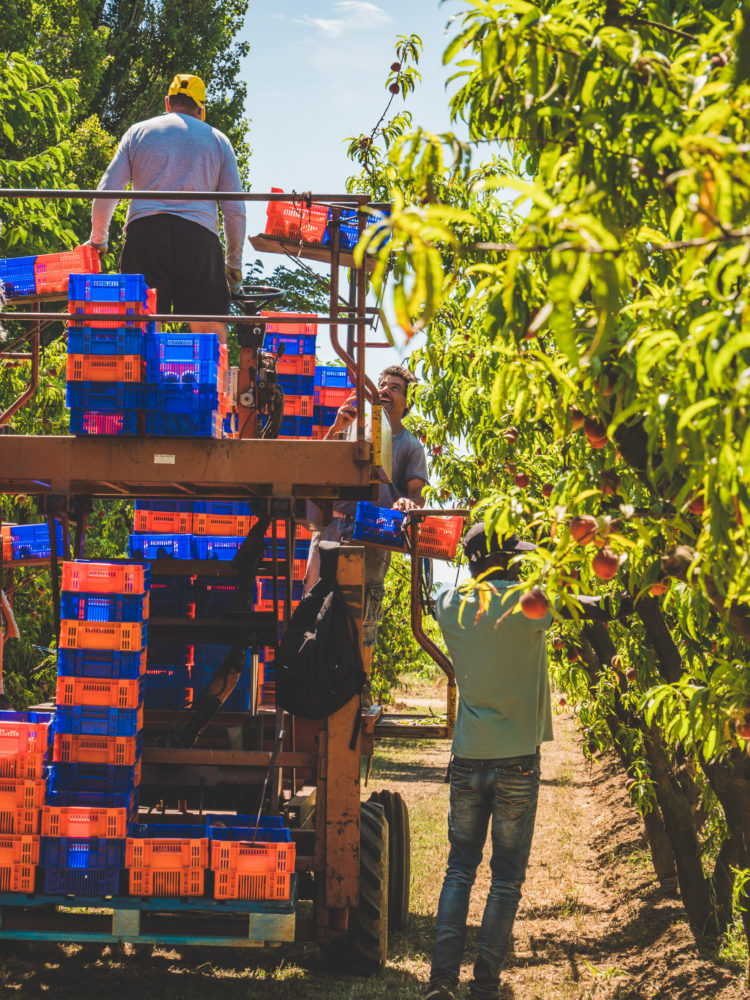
point(593, 924)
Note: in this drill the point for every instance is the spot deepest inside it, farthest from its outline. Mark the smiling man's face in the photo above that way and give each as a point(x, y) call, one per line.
point(392, 394)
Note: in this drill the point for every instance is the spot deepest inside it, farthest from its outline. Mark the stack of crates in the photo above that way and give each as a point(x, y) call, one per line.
point(22, 542)
point(333, 387)
point(295, 369)
point(106, 358)
point(187, 385)
point(24, 742)
point(96, 769)
point(47, 273)
point(251, 859)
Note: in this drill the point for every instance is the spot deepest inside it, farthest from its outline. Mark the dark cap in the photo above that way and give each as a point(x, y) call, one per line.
point(476, 548)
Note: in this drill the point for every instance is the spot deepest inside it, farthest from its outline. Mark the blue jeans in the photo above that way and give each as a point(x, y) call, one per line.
point(504, 791)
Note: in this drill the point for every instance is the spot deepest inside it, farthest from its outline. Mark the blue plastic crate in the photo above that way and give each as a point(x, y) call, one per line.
point(221, 547)
point(171, 597)
point(100, 779)
point(206, 424)
point(31, 541)
point(324, 416)
point(379, 525)
point(301, 548)
point(265, 589)
point(160, 546)
point(180, 397)
point(90, 340)
point(85, 720)
point(333, 376)
point(103, 607)
point(167, 654)
point(265, 834)
point(182, 372)
point(17, 276)
point(107, 288)
point(96, 800)
point(297, 385)
point(104, 397)
point(166, 506)
point(169, 831)
point(182, 347)
point(87, 854)
point(348, 230)
point(214, 598)
point(118, 423)
point(293, 343)
point(208, 654)
point(296, 427)
point(90, 883)
point(100, 663)
point(224, 508)
point(167, 687)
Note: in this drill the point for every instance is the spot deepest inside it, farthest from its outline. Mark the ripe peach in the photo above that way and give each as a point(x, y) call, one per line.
point(605, 564)
point(534, 603)
point(596, 432)
point(522, 480)
point(584, 529)
point(547, 490)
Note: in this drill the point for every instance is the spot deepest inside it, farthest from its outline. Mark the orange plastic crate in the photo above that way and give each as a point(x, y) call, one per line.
point(99, 691)
point(82, 313)
point(52, 270)
point(82, 822)
point(23, 737)
point(7, 542)
point(299, 406)
point(439, 536)
point(166, 853)
point(296, 364)
point(222, 524)
point(22, 765)
point(103, 578)
point(246, 885)
point(167, 521)
point(120, 751)
point(245, 856)
point(162, 884)
point(105, 368)
point(20, 803)
point(319, 433)
point(19, 849)
point(123, 636)
point(296, 220)
point(17, 878)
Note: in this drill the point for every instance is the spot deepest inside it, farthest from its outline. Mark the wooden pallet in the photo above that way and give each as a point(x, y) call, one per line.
point(231, 923)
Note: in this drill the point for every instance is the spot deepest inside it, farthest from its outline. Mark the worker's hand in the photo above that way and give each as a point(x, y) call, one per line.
point(404, 503)
point(347, 413)
point(101, 248)
point(234, 278)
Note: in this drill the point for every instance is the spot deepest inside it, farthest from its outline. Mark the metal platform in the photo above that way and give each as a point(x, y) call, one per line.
point(199, 921)
point(185, 468)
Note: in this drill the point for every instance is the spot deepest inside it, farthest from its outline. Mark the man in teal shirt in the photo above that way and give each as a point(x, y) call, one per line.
point(500, 660)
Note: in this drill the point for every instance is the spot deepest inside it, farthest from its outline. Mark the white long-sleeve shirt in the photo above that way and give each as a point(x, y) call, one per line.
point(175, 152)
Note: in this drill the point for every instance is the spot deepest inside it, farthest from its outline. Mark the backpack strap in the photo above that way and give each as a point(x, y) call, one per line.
point(329, 558)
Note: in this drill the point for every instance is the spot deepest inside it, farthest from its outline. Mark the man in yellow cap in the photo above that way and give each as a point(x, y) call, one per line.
point(175, 244)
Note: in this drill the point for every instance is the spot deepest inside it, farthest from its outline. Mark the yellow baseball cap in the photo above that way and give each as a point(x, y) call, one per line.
point(191, 86)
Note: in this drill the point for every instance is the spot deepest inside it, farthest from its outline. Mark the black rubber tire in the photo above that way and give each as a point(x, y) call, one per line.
point(364, 949)
point(399, 856)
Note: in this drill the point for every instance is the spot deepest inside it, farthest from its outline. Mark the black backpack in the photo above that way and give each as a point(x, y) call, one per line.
point(319, 665)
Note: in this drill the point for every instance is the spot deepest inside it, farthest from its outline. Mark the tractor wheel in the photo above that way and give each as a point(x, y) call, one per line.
point(399, 856)
point(363, 950)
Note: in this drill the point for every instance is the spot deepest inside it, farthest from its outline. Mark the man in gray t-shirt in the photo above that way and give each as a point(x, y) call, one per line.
point(408, 478)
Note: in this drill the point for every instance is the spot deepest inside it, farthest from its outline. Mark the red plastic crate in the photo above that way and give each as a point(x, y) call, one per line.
point(105, 368)
point(166, 853)
point(81, 313)
point(306, 327)
point(99, 691)
point(22, 765)
point(52, 270)
point(332, 395)
point(162, 520)
point(83, 822)
point(20, 803)
point(120, 751)
point(245, 856)
point(24, 737)
point(165, 884)
point(295, 220)
point(104, 578)
point(298, 406)
point(17, 878)
point(7, 542)
point(222, 524)
point(296, 364)
point(19, 849)
point(439, 536)
point(125, 636)
point(247, 885)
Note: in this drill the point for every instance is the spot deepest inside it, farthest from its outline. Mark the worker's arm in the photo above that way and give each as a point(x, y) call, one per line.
point(345, 416)
point(232, 211)
point(116, 177)
point(413, 498)
point(412, 471)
